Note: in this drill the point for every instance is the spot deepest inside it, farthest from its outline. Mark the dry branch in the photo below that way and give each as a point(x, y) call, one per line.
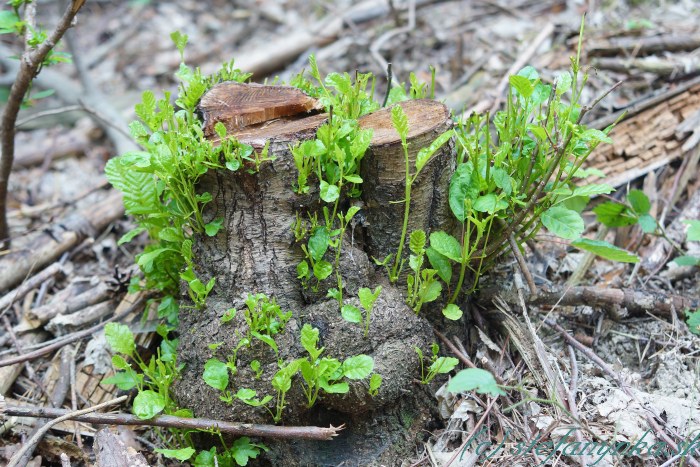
point(170, 421)
point(59, 238)
point(637, 302)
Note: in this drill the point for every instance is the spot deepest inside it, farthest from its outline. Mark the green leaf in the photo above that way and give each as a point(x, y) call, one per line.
point(605, 250)
point(375, 381)
point(563, 82)
point(309, 340)
point(686, 260)
point(440, 263)
point(329, 193)
point(351, 213)
point(417, 241)
point(358, 367)
point(303, 270)
point(425, 154)
point(639, 201)
point(353, 178)
point(446, 245)
point(336, 388)
point(502, 180)
point(693, 234)
point(180, 41)
point(475, 378)
point(463, 188)
point(443, 365)
point(322, 269)
point(266, 339)
point(207, 458)
point(367, 297)
point(563, 222)
point(146, 260)
point(243, 450)
point(489, 203)
point(148, 404)
point(647, 223)
point(213, 227)
point(430, 291)
point(124, 380)
point(318, 243)
point(351, 313)
point(522, 85)
point(120, 338)
point(595, 135)
point(593, 190)
point(216, 374)
point(400, 121)
point(613, 214)
point(694, 322)
point(9, 22)
point(452, 312)
point(182, 454)
point(130, 235)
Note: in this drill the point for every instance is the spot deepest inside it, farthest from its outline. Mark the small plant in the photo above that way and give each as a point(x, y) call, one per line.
point(159, 182)
point(367, 298)
point(400, 122)
point(423, 286)
point(325, 373)
point(438, 365)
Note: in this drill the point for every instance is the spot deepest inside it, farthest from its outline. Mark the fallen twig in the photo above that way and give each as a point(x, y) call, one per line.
point(8, 299)
point(72, 337)
point(170, 421)
point(44, 429)
point(59, 238)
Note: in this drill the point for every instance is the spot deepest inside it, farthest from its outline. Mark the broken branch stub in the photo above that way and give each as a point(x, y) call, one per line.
point(384, 175)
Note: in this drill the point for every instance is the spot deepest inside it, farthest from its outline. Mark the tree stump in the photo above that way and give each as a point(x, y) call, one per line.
point(255, 252)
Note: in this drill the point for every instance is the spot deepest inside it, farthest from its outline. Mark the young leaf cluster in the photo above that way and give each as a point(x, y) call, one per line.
point(159, 182)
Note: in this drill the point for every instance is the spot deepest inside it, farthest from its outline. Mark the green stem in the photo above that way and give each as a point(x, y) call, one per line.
point(407, 205)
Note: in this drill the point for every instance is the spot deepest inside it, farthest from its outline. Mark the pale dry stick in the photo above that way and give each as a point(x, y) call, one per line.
point(56, 400)
point(44, 429)
point(48, 113)
point(377, 44)
point(30, 62)
point(523, 58)
point(588, 257)
point(521, 262)
point(592, 356)
point(573, 408)
point(71, 337)
point(7, 300)
point(474, 431)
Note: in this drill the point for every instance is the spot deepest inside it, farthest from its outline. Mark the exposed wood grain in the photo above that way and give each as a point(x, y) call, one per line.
point(239, 105)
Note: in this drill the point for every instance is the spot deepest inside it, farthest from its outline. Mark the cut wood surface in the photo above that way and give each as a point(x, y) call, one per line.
point(238, 105)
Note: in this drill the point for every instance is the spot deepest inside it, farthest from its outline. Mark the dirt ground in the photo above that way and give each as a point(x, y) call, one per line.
point(628, 376)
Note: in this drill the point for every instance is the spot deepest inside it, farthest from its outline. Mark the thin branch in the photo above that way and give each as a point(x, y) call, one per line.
point(170, 421)
point(44, 429)
point(30, 64)
point(521, 262)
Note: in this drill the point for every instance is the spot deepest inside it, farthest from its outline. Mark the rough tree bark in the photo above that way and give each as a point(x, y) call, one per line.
point(256, 252)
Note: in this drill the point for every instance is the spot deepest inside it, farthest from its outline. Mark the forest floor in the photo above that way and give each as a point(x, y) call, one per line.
point(603, 349)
